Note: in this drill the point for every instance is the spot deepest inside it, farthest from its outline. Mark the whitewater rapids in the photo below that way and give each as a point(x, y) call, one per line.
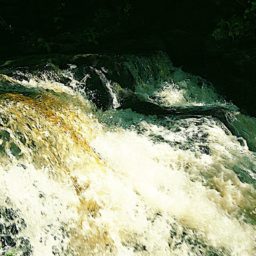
point(78, 181)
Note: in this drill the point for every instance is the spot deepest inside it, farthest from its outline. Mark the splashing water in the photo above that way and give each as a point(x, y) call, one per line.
point(78, 181)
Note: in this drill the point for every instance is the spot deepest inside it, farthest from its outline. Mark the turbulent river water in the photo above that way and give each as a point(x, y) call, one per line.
point(76, 180)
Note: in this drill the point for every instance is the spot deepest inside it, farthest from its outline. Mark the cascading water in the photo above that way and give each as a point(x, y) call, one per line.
point(78, 181)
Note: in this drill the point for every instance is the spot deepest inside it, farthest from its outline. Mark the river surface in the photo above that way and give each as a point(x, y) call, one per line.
point(79, 181)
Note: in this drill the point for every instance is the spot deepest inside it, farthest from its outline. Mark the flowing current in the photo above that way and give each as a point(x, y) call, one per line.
point(76, 180)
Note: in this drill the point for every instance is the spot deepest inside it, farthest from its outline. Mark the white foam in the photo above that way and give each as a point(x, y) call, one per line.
point(138, 194)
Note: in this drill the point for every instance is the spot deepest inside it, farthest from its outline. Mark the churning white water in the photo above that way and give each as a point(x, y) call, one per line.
point(79, 181)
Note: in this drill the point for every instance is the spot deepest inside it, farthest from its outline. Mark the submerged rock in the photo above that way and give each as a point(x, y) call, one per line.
point(96, 89)
point(114, 67)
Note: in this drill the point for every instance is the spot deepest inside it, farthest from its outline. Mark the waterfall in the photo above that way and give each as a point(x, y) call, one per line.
point(78, 179)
